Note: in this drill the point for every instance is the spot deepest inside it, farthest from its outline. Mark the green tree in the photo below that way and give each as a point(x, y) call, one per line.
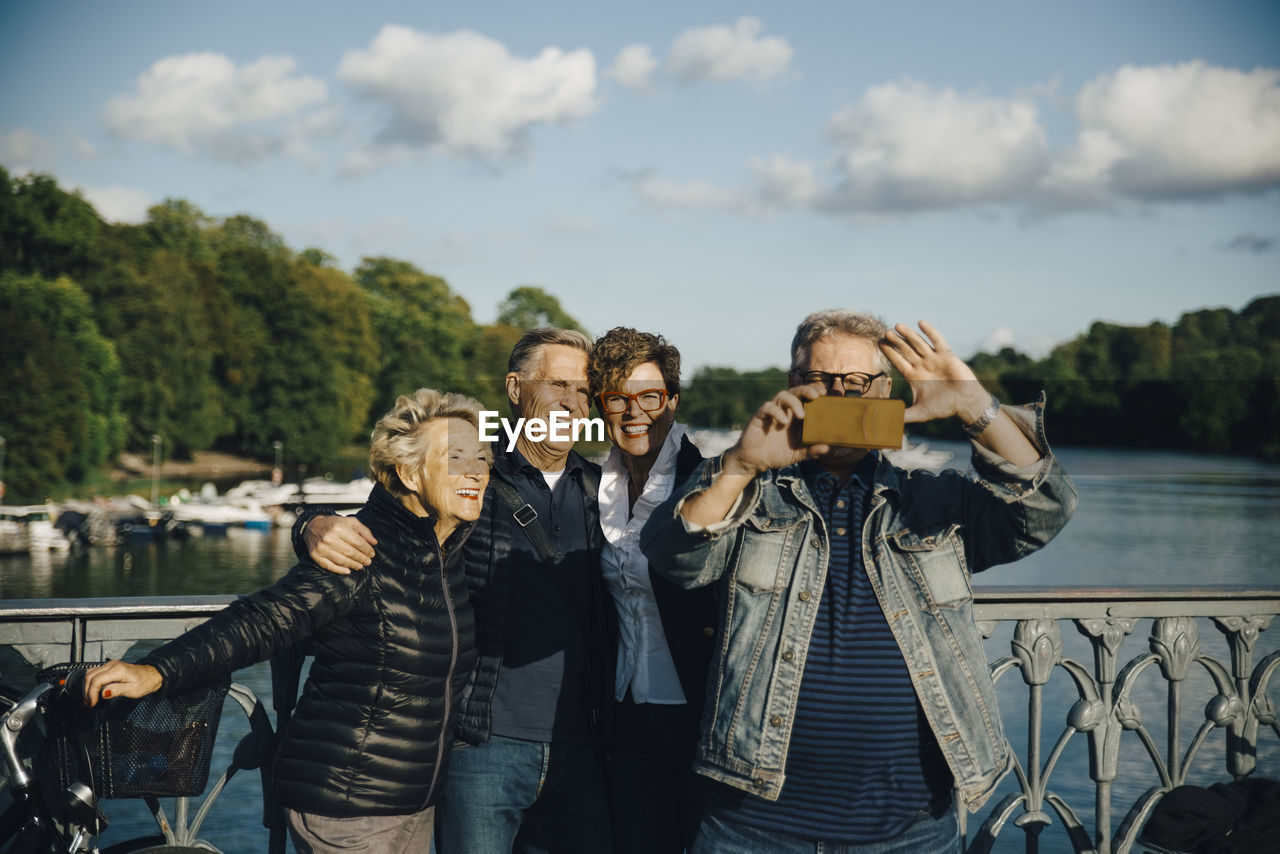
point(529, 307)
point(724, 397)
point(177, 226)
point(488, 356)
point(313, 384)
point(317, 257)
point(60, 376)
point(424, 329)
point(46, 230)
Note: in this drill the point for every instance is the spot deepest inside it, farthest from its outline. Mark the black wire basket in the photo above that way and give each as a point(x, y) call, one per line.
point(124, 748)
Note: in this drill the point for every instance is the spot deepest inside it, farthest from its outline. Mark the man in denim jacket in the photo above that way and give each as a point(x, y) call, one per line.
point(850, 695)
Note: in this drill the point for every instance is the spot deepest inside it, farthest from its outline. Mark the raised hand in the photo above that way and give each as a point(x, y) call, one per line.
point(771, 439)
point(941, 383)
point(339, 543)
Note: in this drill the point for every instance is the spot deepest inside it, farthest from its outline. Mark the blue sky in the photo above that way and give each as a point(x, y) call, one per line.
point(712, 171)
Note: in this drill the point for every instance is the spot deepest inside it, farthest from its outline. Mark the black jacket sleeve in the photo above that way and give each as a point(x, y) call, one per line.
point(256, 627)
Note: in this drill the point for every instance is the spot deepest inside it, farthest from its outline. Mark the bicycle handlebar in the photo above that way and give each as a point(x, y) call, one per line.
point(11, 726)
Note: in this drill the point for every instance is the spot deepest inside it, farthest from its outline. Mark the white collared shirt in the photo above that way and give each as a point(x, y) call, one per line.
point(644, 661)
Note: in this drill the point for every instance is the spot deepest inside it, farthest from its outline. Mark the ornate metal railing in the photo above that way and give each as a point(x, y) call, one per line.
point(1112, 706)
point(1179, 663)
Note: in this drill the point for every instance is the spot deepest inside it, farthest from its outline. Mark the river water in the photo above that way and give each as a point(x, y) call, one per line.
point(1143, 518)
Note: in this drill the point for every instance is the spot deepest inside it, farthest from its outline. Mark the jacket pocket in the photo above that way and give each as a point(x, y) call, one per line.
point(936, 560)
point(766, 551)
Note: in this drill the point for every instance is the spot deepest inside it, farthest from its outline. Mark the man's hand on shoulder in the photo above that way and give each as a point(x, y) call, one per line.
point(339, 543)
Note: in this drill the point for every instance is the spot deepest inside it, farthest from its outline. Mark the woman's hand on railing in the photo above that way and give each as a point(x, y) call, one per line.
point(120, 679)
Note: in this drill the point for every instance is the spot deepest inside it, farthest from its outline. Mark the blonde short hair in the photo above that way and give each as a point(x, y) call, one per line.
point(399, 437)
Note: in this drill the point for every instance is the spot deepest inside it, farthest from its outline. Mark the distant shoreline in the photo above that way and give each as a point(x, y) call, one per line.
point(211, 465)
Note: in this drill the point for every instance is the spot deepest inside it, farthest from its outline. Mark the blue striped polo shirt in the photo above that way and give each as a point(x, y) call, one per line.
point(862, 762)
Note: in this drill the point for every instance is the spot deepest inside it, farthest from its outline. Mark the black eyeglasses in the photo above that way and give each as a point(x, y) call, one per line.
point(853, 382)
point(617, 402)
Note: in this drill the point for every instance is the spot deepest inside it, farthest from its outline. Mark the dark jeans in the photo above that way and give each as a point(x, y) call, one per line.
point(929, 834)
point(655, 796)
point(556, 790)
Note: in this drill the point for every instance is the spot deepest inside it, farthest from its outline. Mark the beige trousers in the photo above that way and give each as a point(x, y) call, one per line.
point(369, 834)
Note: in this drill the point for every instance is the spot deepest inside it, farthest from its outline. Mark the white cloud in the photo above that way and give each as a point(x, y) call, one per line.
point(204, 101)
point(84, 148)
point(998, 340)
point(24, 151)
point(785, 181)
point(633, 67)
point(1175, 131)
point(119, 204)
point(464, 93)
point(1161, 132)
point(724, 53)
point(369, 158)
point(905, 145)
point(694, 195)
point(902, 147)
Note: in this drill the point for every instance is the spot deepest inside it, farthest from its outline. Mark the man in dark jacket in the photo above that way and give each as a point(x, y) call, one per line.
point(533, 715)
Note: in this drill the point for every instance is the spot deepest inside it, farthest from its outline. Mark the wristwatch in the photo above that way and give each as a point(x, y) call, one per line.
point(988, 415)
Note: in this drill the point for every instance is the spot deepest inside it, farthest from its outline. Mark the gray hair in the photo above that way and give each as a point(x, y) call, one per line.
point(399, 437)
point(529, 348)
point(837, 321)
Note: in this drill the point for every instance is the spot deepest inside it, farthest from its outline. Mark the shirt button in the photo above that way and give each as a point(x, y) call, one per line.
point(804, 596)
point(776, 720)
point(840, 532)
point(708, 632)
point(815, 543)
point(759, 782)
point(840, 504)
point(788, 656)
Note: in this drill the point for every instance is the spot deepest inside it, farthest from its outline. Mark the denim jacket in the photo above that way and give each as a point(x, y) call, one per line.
point(923, 537)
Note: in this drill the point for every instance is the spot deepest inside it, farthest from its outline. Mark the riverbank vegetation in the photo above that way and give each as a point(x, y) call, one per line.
point(212, 333)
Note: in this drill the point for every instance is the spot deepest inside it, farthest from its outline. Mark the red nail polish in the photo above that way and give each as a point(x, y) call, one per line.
point(106, 693)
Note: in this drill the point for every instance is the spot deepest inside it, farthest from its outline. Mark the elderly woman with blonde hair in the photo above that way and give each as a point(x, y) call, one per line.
point(362, 762)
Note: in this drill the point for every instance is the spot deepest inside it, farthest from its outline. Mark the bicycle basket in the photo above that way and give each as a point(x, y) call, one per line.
point(124, 748)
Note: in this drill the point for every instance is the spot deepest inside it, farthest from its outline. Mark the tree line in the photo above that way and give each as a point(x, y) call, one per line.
point(1208, 383)
point(212, 333)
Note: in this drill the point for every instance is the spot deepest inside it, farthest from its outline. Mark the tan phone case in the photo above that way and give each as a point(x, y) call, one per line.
point(855, 422)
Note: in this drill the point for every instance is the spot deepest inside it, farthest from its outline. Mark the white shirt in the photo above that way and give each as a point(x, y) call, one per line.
point(644, 661)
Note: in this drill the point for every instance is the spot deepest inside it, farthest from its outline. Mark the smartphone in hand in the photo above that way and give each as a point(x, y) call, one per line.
point(854, 422)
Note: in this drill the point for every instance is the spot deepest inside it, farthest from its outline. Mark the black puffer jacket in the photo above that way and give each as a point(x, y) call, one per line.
point(394, 645)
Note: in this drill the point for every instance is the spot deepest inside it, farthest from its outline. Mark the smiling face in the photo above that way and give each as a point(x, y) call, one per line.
point(557, 384)
point(635, 432)
point(450, 482)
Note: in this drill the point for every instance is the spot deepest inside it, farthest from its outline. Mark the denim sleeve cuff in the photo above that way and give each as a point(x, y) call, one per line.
point(995, 469)
point(737, 514)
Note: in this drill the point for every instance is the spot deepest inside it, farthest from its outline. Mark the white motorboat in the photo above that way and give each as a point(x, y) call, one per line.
point(30, 528)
